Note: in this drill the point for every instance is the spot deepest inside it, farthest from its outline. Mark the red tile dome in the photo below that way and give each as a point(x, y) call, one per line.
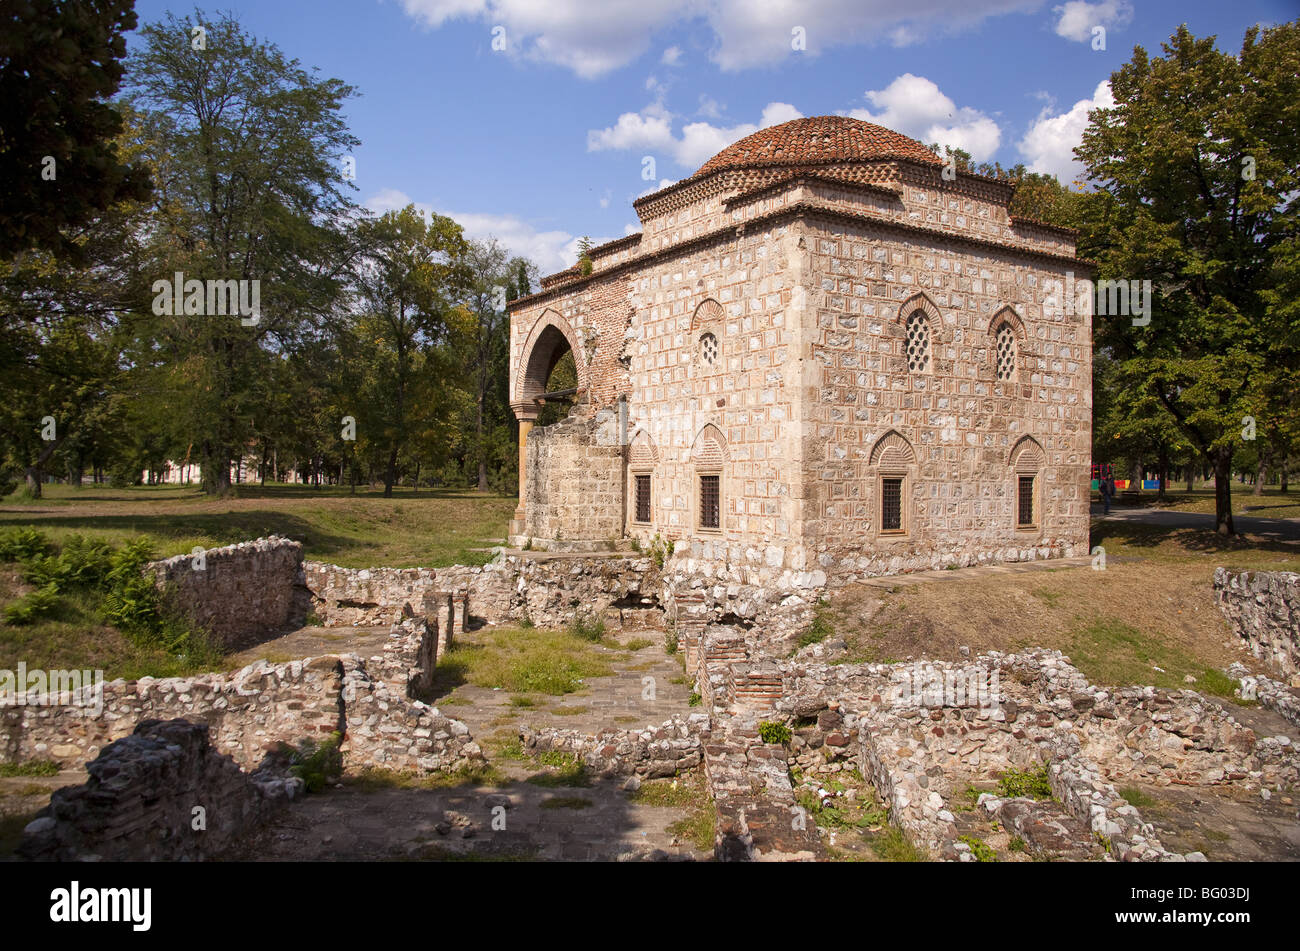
point(818, 140)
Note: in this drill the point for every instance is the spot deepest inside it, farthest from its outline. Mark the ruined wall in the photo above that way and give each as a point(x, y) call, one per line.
point(240, 593)
point(257, 709)
point(138, 804)
point(346, 597)
point(1263, 607)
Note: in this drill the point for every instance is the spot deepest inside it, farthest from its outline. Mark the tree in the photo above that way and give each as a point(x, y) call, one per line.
point(1197, 179)
point(249, 149)
point(59, 63)
point(406, 279)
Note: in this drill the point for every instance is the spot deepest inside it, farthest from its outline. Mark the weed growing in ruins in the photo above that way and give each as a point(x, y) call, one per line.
point(552, 663)
point(667, 792)
point(1032, 783)
point(820, 627)
point(772, 731)
point(33, 767)
point(670, 641)
point(588, 627)
point(520, 701)
point(1017, 844)
point(892, 845)
point(660, 550)
point(566, 770)
point(695, 699)
point(1136, 797)
point(638, 643)
point(982, 851)
point(317, 765)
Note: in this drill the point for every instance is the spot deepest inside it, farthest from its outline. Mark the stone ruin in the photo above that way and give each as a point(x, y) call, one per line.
point(921, 734)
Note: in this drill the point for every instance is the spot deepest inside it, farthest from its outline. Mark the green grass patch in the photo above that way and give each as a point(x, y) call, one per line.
point(565, 770)
point(891, 844)
point(553, 663)
point(32, 767)
point(1136, 797)
point(820, 628)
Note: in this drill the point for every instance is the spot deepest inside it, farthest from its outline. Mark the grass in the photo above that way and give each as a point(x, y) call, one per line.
point(33, 767)
point(982, 850)
point(892, 845)
point(666, 792)
point(638, 643)
point(521, 661)
point(431, 527)
point(1136, 797)
point(1153, 606)
point(564, 770)
point(1272, 504)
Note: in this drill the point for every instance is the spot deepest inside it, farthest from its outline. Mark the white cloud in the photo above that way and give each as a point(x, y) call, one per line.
point(672, 56)
point(651, 131)
point(915, 106)
point(709, 107)
point(551, 250)
point(1078, 17)
point(594, 38)
point(1049, 144)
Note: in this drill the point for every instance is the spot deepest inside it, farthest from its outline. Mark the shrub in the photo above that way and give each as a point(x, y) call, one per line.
point(316, 764)
point(982, 850)
point(772, 731)
point(38, 604)
point(589, 627)
point(1032, 783)
point(23, 545)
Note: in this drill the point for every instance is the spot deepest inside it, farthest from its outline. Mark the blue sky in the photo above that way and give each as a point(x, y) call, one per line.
point(544, 140)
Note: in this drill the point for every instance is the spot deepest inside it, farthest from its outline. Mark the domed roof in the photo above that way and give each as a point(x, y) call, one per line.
point(817, 140)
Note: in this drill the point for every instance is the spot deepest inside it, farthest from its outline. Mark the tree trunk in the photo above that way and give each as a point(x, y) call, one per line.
point(416, 483)
point(33, 476)
point(390, 475)
point(1282, 474)
point(1261, 472)
point(1191, 477)
point(1223, 523)
point(1163, 475)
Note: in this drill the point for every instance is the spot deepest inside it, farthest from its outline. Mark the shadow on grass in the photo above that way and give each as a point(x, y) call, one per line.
point(224, 527)
point(1146, 536)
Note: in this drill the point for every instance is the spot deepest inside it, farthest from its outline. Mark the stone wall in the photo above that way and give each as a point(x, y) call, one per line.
point(140, 800)
point(575, 480)
point(257, 709)
point(348, 597)
point(1263, 607)
point(240, 594)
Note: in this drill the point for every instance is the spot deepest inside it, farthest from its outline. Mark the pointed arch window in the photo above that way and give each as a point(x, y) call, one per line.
point(918, 343)
point(1005, 339)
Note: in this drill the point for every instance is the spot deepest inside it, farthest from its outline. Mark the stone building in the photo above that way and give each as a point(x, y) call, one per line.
point(825, 354)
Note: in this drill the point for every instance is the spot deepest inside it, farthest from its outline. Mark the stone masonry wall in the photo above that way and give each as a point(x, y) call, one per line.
point(575, 481)
point(1264, 609)
point(256, 710)
point(241, 593)
point(139, 802)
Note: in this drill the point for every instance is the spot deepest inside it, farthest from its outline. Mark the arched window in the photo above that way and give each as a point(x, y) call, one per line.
point(893, 464)
point(1006, 351)
point(708, 348)
point(708, 458)
point(1027, 466)
point(918, 343)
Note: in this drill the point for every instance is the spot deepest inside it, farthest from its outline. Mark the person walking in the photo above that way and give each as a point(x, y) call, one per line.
point(1107, 490)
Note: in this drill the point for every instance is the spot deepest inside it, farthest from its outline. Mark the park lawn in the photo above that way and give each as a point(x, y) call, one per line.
point(431, 528)
point(1272, 504)
point(1152, 607)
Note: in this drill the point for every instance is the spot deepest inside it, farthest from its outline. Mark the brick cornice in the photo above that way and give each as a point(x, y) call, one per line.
point(796, 210)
